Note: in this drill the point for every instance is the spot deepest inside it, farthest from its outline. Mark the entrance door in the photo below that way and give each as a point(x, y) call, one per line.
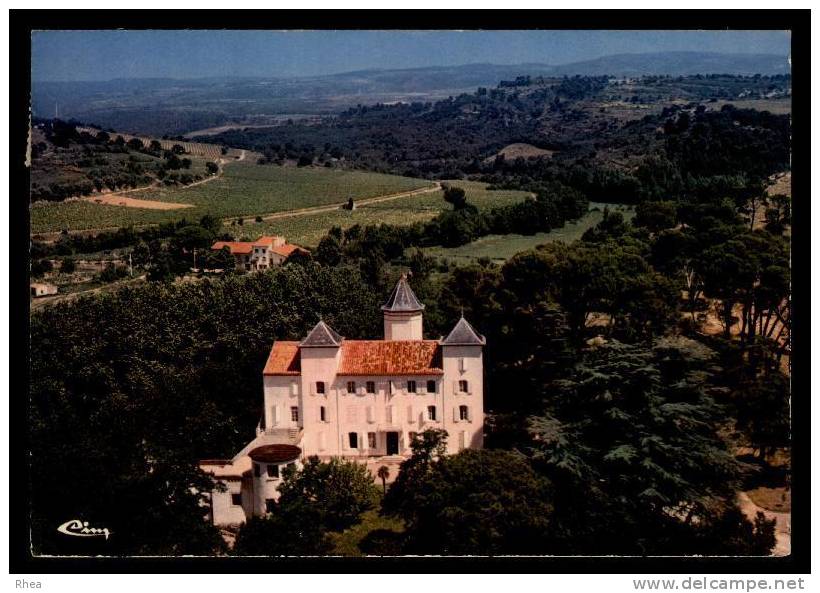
point(392, 443)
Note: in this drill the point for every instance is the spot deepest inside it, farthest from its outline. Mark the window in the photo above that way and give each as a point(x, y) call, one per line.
point(371, 440)
point(371, 387)
point(270, 504)
point(320, 386)
point(353, 440)
point(294, 413)
point(273, 471)
point(236, 499)
point(257, 470)
point(431, 386)
point(411, 386)
point(431, 413)
point(351, 386)
point(463, 413)
point(461, 366)
point(463, 386)
point(322, 414)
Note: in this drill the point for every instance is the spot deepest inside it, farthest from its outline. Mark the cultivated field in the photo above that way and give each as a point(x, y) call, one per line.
point(209, 151)
point(308, 229)
point(245, 189)
point(520, 149)
point(503, 247)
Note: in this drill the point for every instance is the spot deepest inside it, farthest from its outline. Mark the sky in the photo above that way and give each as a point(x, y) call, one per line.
point(107, 55)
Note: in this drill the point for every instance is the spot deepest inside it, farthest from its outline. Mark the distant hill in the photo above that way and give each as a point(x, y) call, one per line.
point(170, 106)
point(682, 63)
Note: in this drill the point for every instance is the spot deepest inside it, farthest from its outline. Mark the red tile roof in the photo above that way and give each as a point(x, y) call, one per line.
point(366, 357)
point(266, 241)
point(378, 357)
point(283, 359)
point(275, 453)
point(236, 247)
point(286, 250)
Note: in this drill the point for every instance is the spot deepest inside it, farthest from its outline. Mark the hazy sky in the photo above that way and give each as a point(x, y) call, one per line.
point(104, 55)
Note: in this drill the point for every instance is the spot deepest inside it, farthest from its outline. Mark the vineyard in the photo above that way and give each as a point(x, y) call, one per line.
point(244, 190)
point(308, 229)
point(209, 151)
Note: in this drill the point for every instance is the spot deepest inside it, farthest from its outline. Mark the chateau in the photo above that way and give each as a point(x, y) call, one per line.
point(356, 399)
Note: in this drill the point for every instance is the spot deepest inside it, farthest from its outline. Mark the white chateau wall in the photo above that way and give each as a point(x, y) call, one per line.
point(464, 363)
point(264, 486)
point(281, 393)
point(403, 326)
point(223, 509)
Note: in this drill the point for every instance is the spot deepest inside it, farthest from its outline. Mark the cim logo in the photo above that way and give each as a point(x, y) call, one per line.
point(79, 528)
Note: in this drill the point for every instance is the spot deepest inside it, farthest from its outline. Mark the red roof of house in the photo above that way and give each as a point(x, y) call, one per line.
point(286, 249)
point(275, 453)
point(366, 357)
point(283, 359)
point(265, 241)
point(378, 357)
point(235, 247)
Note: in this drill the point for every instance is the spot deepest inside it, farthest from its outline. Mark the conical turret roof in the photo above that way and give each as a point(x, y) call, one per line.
point(321, 335)
point(463, 334)
point(402, 298)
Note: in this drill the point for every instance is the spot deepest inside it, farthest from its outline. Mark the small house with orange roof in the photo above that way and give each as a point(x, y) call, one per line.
point(364, 400)
point(261, 254)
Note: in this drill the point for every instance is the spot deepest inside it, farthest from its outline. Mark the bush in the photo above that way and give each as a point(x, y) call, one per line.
point(40, 267)
point(112, 273)
point(68, 266)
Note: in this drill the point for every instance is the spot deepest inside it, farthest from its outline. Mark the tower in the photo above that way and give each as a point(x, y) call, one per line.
point(403, 314)
point(463, 364)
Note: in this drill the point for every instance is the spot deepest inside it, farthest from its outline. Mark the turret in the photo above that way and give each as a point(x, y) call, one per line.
point(319, 354)
point(462, 360)
point(403, 314)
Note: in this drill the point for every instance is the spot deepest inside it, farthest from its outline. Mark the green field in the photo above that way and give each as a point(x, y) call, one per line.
point(308, 229)
point(245, 189)
point(503, 247)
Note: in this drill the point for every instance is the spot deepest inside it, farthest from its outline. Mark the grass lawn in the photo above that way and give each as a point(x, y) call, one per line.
point(308, 229)
point(347, 542)
point(245, 189)
point(503, 247)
